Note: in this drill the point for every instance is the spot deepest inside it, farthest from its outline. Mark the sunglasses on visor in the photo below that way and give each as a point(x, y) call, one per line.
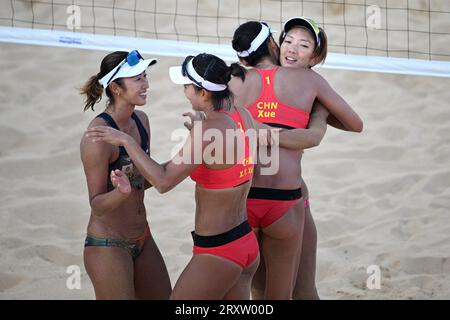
point(132, 59)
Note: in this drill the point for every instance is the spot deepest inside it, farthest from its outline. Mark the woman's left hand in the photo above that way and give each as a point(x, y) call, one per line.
point(107, 134)
point(120, 181)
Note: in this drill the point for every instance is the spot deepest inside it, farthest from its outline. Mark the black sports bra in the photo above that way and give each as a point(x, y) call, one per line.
point(123, 162)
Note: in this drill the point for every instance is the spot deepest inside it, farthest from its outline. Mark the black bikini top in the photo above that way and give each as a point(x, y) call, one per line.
point(124, 162)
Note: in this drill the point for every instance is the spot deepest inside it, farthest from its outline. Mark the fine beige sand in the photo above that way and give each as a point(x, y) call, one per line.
point(379, 198)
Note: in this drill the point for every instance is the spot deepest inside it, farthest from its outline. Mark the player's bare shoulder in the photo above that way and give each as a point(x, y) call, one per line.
point(88, 146)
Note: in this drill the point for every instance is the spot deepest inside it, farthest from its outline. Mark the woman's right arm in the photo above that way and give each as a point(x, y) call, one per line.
point(335, 123)
point(95, 158)
point(337, 106)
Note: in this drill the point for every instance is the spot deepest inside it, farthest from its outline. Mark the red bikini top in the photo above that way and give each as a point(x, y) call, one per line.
point(233, 176)
point(271, 111)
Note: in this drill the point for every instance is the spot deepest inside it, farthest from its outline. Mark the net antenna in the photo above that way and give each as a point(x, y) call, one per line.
point(403, 37)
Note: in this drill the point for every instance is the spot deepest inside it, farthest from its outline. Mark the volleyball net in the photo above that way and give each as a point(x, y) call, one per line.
point(401, 36)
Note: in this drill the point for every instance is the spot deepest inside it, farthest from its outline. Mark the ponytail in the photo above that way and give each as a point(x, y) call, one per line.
point(93, 91)
point(238, 71)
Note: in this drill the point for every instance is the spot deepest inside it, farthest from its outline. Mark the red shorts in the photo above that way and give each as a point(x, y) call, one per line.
point(238, 245)
point(265, 206)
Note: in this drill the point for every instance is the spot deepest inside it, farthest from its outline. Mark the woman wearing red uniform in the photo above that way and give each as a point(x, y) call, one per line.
point(281, 97)
point(226, 252)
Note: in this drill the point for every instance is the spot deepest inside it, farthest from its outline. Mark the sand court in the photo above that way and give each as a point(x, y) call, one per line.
point(378, 198)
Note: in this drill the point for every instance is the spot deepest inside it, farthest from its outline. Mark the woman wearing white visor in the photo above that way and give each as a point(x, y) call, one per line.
point(303, 44)
point(120, 255)
point(226, 252)
point(280, 97)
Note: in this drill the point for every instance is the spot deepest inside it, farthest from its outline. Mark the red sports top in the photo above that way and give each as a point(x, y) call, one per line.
point(230, 177)
point(269, 110)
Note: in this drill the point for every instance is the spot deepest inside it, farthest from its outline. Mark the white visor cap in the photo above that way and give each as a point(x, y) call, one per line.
point(263, 34)
point(176, 75)
point(126, 71)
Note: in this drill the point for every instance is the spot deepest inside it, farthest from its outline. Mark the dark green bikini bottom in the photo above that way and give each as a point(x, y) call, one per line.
point(134, 247)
